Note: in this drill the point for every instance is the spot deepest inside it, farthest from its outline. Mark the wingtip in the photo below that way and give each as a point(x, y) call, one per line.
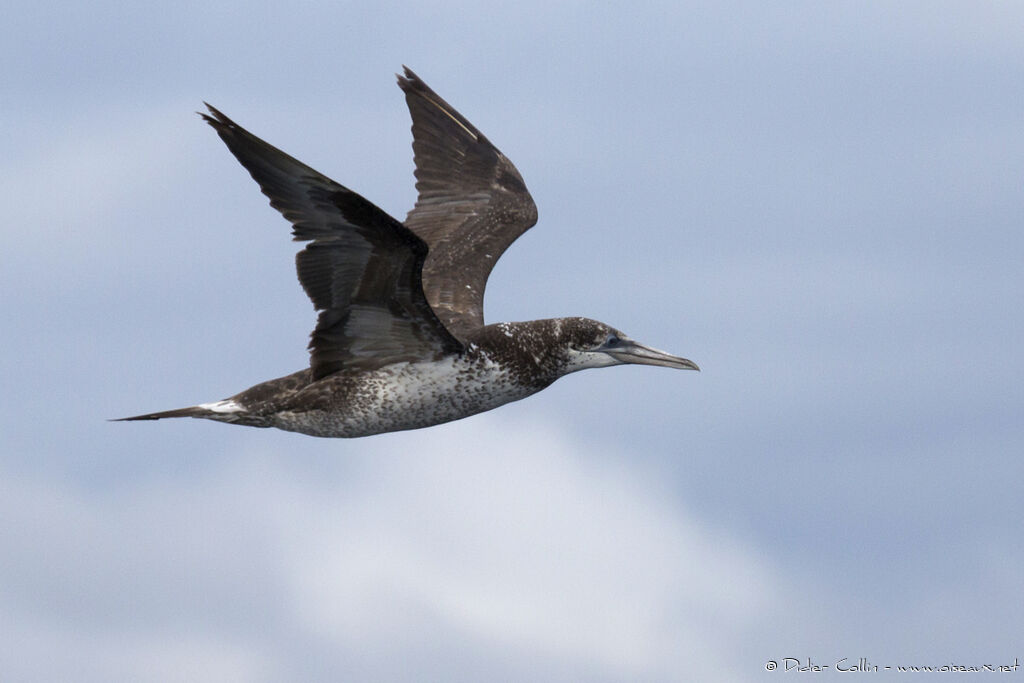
point(410, 82)
point(216, 117)
point(406, 78)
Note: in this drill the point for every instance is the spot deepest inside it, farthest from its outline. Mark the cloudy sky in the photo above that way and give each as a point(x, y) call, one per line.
point(820, 203)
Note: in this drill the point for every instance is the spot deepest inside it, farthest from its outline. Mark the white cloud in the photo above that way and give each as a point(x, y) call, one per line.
point(538, 545)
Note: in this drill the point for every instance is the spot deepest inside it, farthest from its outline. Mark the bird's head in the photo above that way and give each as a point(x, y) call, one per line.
point(592, 344)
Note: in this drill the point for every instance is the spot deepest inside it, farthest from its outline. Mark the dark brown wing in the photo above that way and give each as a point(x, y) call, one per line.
point(362, 268)
point(472, 205)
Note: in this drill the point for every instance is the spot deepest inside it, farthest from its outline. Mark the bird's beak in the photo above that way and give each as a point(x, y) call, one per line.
point(633, 352)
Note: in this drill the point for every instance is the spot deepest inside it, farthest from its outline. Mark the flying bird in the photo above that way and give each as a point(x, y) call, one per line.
point(400, 340)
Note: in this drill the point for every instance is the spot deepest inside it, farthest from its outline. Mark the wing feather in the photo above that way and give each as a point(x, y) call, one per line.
point(362, 269)
point(472, 205)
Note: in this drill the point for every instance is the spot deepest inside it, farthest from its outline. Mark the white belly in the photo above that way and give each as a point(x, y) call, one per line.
point(408, 396)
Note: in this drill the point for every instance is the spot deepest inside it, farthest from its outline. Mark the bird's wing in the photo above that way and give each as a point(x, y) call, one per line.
point(472, 205)
point(361, 268)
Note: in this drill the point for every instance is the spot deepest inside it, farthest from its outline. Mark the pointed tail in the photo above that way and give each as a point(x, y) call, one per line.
point(191, 411)
point(228, 410)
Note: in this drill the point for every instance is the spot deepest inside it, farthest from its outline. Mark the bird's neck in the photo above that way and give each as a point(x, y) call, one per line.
point(530, 351)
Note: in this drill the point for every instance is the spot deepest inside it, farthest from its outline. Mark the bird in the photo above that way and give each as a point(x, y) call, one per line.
point(400, 340)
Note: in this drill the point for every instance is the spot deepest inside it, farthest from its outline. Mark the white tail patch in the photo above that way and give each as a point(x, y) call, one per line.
point(225, 406)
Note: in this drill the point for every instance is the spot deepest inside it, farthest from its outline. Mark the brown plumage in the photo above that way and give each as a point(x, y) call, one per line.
point(472, 205)
point(400, 340)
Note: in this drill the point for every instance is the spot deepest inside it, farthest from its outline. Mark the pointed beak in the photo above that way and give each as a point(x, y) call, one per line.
point(633, 352)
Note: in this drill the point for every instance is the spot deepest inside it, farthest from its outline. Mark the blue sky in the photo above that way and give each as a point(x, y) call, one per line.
point(818, 203)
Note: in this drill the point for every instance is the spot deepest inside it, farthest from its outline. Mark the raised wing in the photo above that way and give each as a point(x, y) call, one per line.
point(361, 268)
point(472, 205)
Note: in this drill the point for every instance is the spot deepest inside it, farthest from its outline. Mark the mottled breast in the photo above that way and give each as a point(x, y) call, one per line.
point(400, 396)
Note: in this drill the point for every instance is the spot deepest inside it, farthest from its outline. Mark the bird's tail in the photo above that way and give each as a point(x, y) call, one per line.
point(227, 410)
point(191, 411)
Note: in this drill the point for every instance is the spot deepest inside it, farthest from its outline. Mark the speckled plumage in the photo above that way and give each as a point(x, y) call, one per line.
point(400, 341)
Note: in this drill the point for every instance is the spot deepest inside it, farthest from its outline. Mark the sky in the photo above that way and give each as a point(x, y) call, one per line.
point(819, 203)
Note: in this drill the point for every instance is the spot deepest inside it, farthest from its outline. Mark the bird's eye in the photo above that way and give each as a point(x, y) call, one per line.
point(612, 340)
